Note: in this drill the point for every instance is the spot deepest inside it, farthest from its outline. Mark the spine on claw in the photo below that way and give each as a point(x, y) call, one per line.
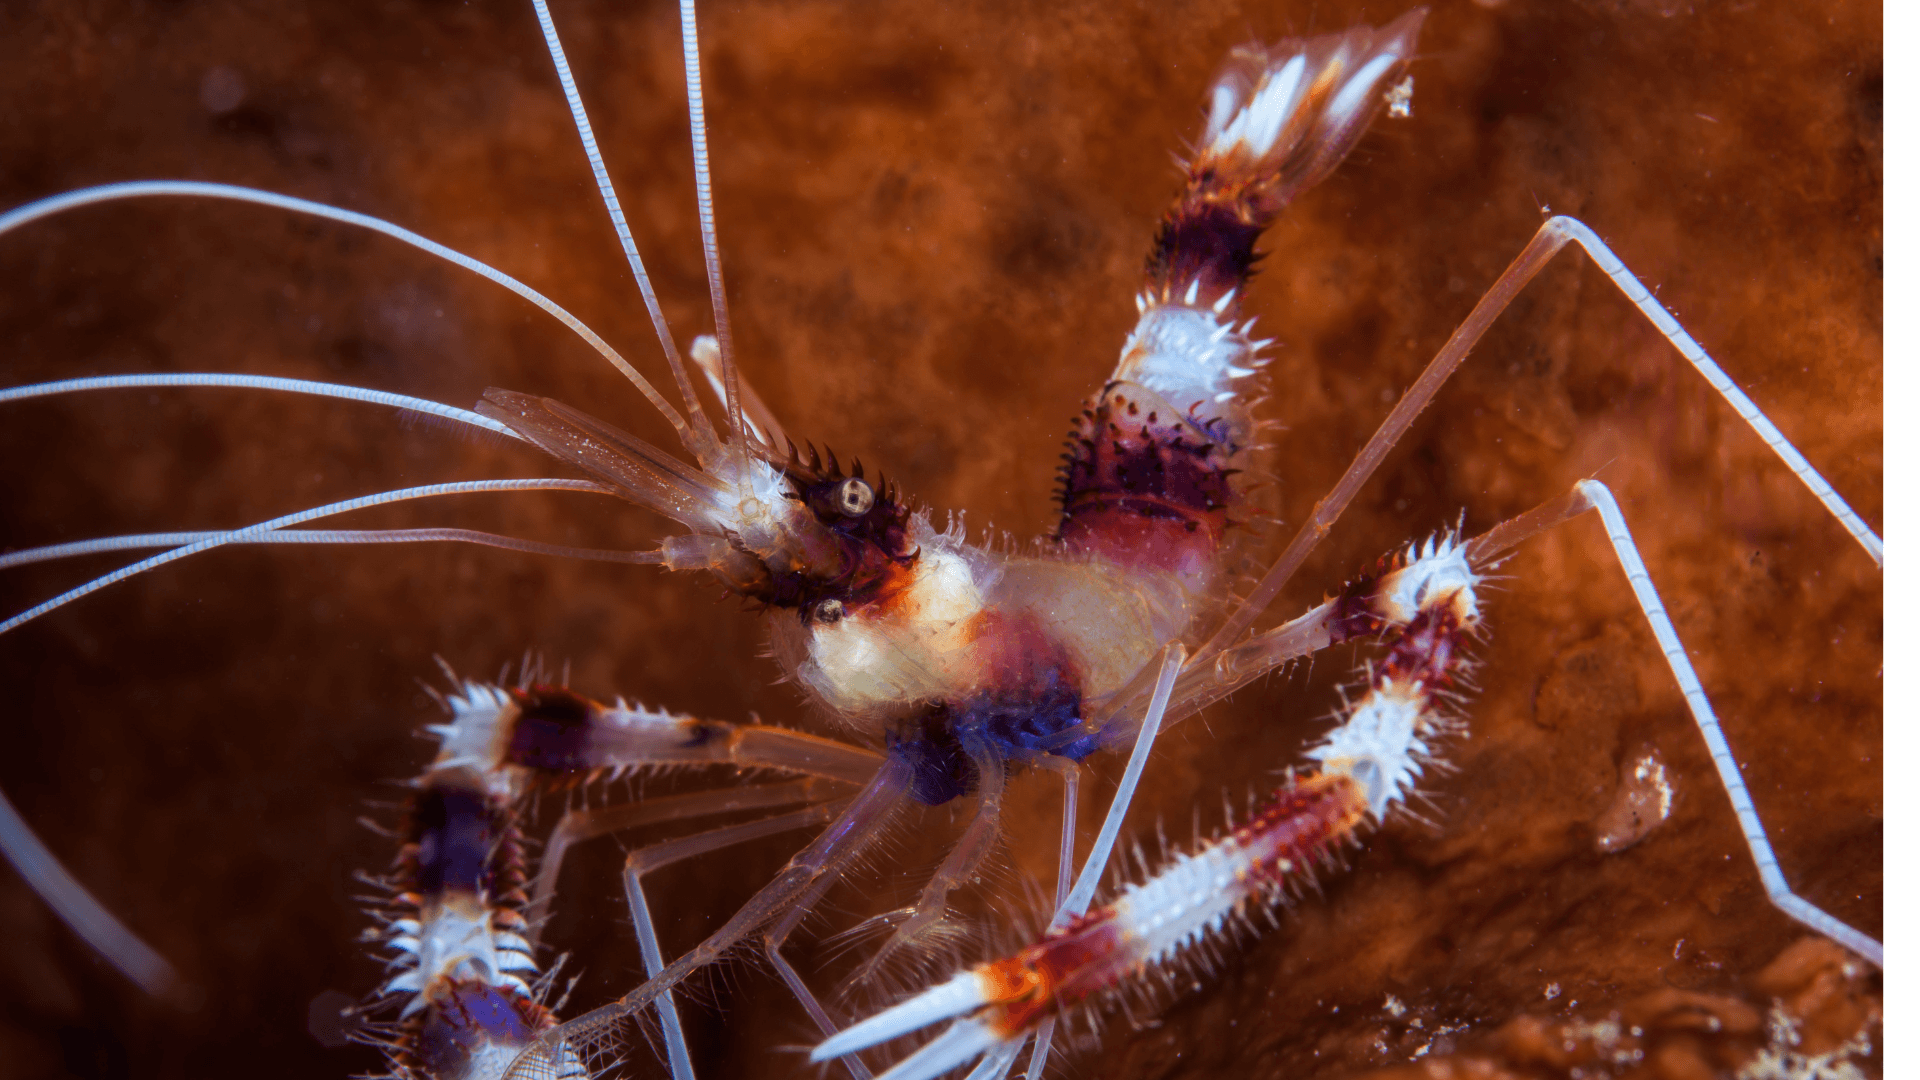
point(1425, 601)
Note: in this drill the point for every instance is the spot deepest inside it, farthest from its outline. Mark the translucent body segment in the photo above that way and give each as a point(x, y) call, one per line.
point(1361, 608)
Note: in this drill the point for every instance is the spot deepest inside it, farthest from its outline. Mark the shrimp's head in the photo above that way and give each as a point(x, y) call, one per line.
point(820, 541)
point(791, 531)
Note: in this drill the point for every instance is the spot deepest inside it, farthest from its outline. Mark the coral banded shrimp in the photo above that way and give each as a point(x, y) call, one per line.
point(275, 686)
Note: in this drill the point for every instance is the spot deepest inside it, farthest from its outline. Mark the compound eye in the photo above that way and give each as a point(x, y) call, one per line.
point(829, 611)
point(853, 497)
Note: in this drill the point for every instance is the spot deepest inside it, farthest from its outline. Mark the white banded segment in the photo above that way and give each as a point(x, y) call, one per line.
point(456, 926)
point(457, 941)
point(1192, 897)
point(479, 721)
point(1391, 730)
point(1440, 571)
point(1193, 355)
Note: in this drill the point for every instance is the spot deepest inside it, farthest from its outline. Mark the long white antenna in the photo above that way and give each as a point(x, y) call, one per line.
point(434, 535)
point(259, 382)
point(240, 536)
point(612, 201)
point(133, 189)
point(703, 192)
point(78, 909)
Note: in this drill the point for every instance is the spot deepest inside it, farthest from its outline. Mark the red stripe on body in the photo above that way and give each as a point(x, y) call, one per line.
point(1145, 487)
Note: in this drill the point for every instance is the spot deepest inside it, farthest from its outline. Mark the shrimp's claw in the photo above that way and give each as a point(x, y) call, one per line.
point(958, 996)
point(1280, 118)
point(1283, 116)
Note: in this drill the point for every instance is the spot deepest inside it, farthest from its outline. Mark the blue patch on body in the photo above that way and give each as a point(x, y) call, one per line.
point(457, 834)
point(1022, 728)
point(464, 1018)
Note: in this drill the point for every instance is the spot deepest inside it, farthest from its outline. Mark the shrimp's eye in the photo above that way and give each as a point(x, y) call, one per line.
point(853, 497)
point(830, 610)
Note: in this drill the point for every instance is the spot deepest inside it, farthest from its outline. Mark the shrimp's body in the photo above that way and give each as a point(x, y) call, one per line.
point(906, 232)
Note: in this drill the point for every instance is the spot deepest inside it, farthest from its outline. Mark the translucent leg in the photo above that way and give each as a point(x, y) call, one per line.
point(1599, 498)
point(800, 990)
point(996, 1062)
point(1593, 495)
point(1553, 236)
point(1096, 865)
point(776, 937)
point(648, 859)
point(960, 864)
point(1042, 1047)
point(828, 853)
point(580, 825)
point(625, 735)
point(1069, 812)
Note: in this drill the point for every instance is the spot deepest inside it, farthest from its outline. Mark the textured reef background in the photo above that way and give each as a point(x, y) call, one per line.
point(935, 220)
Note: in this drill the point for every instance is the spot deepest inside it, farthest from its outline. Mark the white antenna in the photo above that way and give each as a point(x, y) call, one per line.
point(703, 192)
point(140, 189)
point(612, 201)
